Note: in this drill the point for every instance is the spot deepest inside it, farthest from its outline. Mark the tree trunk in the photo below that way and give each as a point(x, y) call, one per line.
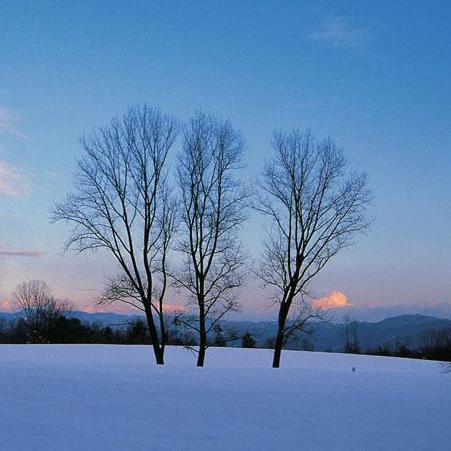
point(157, 350)
point(280, 336)
point(159, 354)
point(163, 330)
point(201, 355)
point(278, 348)
point(202, 347)
point(202, 341)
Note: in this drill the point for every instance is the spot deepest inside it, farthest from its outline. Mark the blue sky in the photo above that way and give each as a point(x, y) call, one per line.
point(375, 76)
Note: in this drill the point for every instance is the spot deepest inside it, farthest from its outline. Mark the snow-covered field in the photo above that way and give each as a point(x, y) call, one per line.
point(75, 397)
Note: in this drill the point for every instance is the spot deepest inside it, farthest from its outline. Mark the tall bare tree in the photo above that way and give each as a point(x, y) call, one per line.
point(122, 204)
point(315, 207)
point(213, 203)
point(40, 308)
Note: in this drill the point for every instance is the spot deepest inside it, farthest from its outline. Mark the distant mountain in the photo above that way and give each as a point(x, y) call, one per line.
point(408, 330)
point(390, 333)
point(106, 318)
point(9, 316)
point(379, 313)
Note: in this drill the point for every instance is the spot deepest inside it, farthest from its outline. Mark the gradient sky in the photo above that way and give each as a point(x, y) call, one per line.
point(375, 76)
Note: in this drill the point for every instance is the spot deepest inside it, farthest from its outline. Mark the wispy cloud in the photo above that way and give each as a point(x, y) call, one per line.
point(21, 253)
point(9, 122)
point(12, 180)
point(340, 31)
point(335, 299)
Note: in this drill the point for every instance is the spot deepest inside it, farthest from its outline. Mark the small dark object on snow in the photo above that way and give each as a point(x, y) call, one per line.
point(353, 369)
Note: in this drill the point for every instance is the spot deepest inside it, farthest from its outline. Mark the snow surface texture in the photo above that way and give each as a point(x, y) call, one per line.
point(99, 397)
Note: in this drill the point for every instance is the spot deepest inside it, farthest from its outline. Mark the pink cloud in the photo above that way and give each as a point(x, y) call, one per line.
point(7, 306)
point(21, 253)
point(335, 299)
point(174, 308)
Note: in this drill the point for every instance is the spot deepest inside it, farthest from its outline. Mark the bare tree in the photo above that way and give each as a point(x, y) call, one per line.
point(122, 204)
point(351, 335)
point(212, 211)
point(315, 207)
point(40, 308)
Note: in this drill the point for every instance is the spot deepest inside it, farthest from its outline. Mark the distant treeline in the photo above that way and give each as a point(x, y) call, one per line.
point(436, 346)
point(62, 329)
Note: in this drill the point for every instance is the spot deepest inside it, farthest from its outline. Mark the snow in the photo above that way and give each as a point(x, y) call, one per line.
point(99, 397)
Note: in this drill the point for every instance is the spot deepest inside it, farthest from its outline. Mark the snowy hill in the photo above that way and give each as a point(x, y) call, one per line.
point(93, 397)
